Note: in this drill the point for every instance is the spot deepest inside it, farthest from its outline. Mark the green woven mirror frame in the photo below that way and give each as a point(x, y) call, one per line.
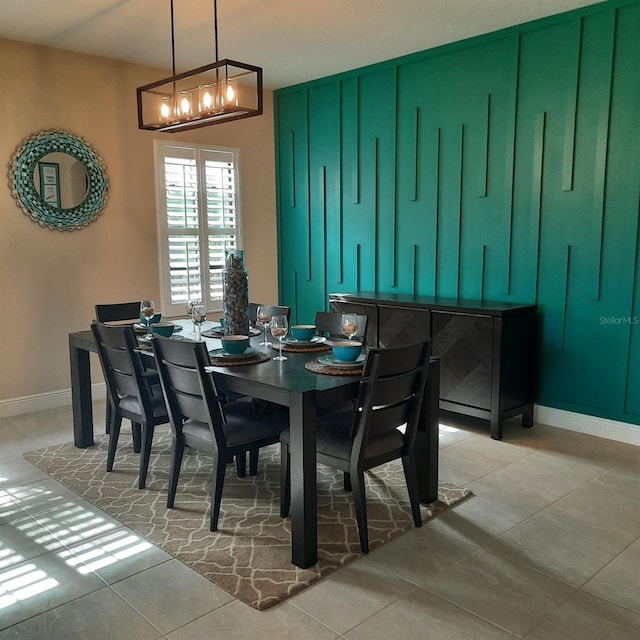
point(21, 180)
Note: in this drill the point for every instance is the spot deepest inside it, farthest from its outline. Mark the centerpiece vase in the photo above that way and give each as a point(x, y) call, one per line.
point(235, 292)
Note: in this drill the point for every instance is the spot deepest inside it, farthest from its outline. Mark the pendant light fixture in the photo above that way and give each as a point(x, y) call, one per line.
point(219, 92)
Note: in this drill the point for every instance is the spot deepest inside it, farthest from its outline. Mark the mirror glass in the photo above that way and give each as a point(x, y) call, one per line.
point(58, 180)
point(61, 180)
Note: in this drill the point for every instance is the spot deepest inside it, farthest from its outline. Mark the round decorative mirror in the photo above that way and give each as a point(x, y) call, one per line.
point(58, 180)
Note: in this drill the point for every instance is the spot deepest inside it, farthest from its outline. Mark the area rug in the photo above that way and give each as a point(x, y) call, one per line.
point(250, 555)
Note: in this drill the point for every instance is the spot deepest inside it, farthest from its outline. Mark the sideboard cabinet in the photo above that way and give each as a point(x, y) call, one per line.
point(486, 349)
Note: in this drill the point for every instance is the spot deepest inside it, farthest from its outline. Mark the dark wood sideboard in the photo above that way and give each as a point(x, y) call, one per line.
point(486, 349)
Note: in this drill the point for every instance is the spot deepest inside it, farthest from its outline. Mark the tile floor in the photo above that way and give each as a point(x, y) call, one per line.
point(549, 547)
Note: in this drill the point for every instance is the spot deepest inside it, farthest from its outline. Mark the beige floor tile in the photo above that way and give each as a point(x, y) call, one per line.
point(504, 593)
point(18, 472)
point(553, 544)
point(101, 615)
point(424, 615)
point(585, 617)
point(351, 595)
point(171, 595)
point(619, 581)
point(39, 584)
point(237, 621)
point(434, 547)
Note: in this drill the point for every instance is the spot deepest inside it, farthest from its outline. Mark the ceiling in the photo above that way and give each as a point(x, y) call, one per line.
point(293, 40)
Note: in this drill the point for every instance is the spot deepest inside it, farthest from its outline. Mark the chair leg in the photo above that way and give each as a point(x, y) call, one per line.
point(114, 432)
point(216, 492)
point(253, 462)
point(147, 439)
point(359, 500)
point(285, 480)
point(177, 449)
point(136, 431)
point(346, 479)
point(241, 464)
point(107, 418)
point(411, 477)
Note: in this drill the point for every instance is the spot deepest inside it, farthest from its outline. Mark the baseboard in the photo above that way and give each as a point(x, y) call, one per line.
point(590, 425)
point(44, 401)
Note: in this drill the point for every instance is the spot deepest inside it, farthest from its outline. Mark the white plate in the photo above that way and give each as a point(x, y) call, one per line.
point(314, 340)
point(339, 364)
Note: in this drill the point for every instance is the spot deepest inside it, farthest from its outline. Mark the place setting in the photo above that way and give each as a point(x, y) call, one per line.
point(303, 338)
point(236, 350)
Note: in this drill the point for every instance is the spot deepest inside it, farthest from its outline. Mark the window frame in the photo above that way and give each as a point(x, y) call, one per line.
point(162, 149)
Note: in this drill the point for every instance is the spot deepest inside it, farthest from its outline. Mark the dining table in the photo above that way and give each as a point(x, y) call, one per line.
point(288, 383)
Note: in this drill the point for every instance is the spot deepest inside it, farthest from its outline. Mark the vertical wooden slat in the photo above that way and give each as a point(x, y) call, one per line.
point(356, 164)
point(292, 182)
point(323, 196)
point(414, 278)
point(600, 169)
point(394, 219)
point(358, 267)
point(482, 270)
point(459, 211)
point(416, 151)
point(483, 168)
point(571, 112)
point(565, 296)
point(536, 188)
point(436, 229)
point(309, 240)
point(510, 167)
point(376, 211)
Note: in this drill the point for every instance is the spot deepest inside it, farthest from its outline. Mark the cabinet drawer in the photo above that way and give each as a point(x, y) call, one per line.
point(400, 326)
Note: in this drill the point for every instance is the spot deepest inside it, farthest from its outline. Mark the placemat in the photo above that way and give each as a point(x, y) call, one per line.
point(218, 333)
point(295, 348)
point(318, 367)
point(260, 356)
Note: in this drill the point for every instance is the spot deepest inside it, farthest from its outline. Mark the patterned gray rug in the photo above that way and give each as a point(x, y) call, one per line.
point(250, 555)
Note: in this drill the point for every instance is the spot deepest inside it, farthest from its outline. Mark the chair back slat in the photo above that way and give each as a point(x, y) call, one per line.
point(118, 312)
point(275, 311)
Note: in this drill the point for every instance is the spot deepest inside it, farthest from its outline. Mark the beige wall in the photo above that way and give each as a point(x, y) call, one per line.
point(50, 280)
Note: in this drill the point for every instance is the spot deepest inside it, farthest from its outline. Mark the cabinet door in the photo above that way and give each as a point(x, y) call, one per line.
point(400, 326)
point(464, 344)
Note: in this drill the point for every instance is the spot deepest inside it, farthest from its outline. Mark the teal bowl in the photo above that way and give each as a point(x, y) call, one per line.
point(155, 318)
point(303, 332)
point(346, 350)
point(163, 328)
point(235, 344)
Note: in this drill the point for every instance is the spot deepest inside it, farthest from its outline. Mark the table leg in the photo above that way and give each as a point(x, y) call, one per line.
point(304, 525)
point(428, 436)
point(81, 395)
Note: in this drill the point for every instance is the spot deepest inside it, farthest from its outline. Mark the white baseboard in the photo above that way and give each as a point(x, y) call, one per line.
point(590, 425)
point(44, 401)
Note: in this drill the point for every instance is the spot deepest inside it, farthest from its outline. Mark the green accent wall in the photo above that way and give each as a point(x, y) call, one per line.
point(502, 168)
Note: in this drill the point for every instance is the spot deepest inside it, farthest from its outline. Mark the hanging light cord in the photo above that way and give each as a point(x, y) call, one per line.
point(173, 44)
point(215, 25)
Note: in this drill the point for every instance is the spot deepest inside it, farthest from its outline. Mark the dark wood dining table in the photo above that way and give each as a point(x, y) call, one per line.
point(304, 392)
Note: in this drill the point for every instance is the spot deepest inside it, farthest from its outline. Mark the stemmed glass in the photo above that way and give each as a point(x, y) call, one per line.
point(279, 328)
point(263, 318)
point(349, 324)
point(147, 311)
point(190, 305)
point(199, 316)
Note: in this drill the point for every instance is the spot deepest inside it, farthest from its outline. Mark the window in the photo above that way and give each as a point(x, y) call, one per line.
point(199, 218)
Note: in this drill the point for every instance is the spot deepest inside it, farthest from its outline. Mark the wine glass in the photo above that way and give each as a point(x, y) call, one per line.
point(199, 316)
point(263, 318)
point(279, 328)
point(349, 324)
point(147, 311)
point(190, 305)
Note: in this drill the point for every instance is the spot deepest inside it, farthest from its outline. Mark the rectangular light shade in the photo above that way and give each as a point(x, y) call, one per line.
point(219, 92)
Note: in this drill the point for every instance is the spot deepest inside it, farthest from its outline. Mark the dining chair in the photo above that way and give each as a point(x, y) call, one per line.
point(200, 420)
point(330, 325)
point(130, 394)
point(122, 312)
point(382, 427)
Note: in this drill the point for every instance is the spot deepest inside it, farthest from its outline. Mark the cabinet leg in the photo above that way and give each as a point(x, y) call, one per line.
point(527, 417)
point(496, 427)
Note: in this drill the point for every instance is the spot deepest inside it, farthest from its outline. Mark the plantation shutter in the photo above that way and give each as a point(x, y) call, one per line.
point(198, 216)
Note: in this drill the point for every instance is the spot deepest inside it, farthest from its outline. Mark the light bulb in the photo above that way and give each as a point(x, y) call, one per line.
point(231, 94)
point(185, 106)
point(207, 100)
point(164, 110)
